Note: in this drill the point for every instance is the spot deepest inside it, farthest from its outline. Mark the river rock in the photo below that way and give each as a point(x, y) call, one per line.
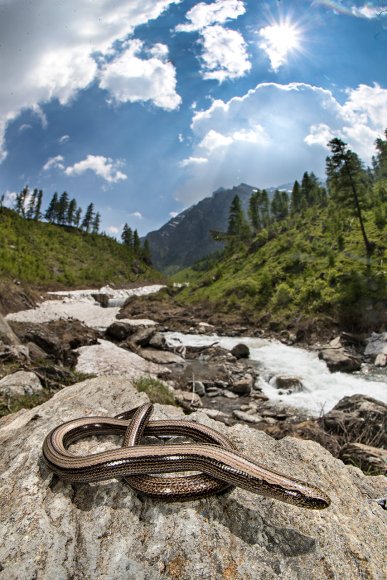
point(102, 299)
point(188, 401)
point(359, 419)
point(369, 459)
point(161, 357)
point(243, 386)
point(55, 530)
point(240, 351)
point(106, 358)
point(247, 417)
point(339, 360)
point(158, 341)
point(198, 387)
point(289, 384)
point(119, 330)
point(381, 360)
point(142, 336)
point(376, 344)
point(19, 384)
point(309, 429)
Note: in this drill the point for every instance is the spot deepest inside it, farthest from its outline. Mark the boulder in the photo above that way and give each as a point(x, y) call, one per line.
point(198, 387)
point(106, 358)
point(289, 384)
point(161, 357)
point(19, 384)
point(376, 344)
point(102, 299)
point(371, 460)
point(339, 360)
point(246, 417)
point(358, 418)
point(119, 330)
point(158, 341)
point(309, 429)
point(142, 336)
point(381, 360)
point(243, 386)
point(57, 338)
point(7, 335)
point(240, 351)
point(188, 401)
point(14, 353)
point(55, 530)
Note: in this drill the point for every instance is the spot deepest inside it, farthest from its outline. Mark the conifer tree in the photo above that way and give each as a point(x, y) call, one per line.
point(77, 217)
point(62, 208)
point(237, 225)
point(254, 213)
point(96, 223)
point(51, 212)
point(21, 201)
point(280, 205)
point(136, 244)
point(296, 198)
point(348, 183)
point(38, 206)
point(88, 219)
point(31, 204)
point(127, 236)
point(146, 253)
point(70, 214)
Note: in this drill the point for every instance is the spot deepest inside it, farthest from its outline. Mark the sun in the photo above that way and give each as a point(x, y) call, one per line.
point(278, 40)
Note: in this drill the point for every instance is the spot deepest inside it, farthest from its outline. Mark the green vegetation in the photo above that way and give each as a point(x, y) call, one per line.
point(318, 255)
point(156, 390)
point(47, 255)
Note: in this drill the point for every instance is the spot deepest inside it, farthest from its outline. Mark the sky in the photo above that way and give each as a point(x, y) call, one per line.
point(145, 107)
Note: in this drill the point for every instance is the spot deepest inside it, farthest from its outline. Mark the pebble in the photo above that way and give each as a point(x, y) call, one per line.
point(230, 395)
point(246, 417)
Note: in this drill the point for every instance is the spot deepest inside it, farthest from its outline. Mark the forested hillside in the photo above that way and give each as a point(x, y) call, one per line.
point(53, 255)
point(318, 254)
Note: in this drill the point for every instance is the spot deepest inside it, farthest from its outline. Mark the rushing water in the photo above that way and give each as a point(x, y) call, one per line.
point(322, 389)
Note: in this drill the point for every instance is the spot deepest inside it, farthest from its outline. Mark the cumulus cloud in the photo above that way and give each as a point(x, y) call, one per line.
point(136, 214)
point(130, 78)
point(53, 56)
point(112, 230)
point(254, 139)
point(203, 15)
point(9, 198)
point(54, 163)
point(224, 54)
point(193, 161)
point(173, 214)
point(102, 166)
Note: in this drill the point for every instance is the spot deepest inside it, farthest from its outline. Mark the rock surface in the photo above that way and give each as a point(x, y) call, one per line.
point(20, 383)
point(7, 336)
point(369, 459)
point(339, 360)
point(52, 530)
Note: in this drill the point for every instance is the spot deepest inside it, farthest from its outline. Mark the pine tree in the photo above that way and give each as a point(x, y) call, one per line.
point(280, 205)
point(21, 201)
point(380, 160)
point(31, 204)
point(296, 198)
point(136, 244)
point(348, 183)
point(62, 208)
point(71, 210)
point(77, 217)
point(127, 236)
point(254, 214)
point(146, 253)
point(96, 223)
point(51, 212)
point(88, 219)
point(38, 206)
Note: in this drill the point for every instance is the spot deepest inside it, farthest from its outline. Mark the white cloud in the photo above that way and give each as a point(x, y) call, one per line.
point(136, 214)
point(129, 78)
point(64, 139)
point(255, 139)
point(319, 134)
point(224, 54)
point(173, 214)
point(193, 161)
point(53, 53)
point(54, 163)
point(214, 139)
point(203, 15)
point(369, 12)
point(102, 166)
point(112, 230)
point(9, 198)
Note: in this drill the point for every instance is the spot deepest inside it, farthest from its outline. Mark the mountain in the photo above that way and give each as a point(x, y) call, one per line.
point(186, 238)
point(48, 255)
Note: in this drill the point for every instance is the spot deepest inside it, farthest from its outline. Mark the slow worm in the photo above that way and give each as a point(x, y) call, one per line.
point(221, 467)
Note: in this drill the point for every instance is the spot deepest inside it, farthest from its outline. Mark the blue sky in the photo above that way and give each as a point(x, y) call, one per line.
point(144, 107)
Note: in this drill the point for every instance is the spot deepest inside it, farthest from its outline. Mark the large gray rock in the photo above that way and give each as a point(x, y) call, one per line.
point(339, 360)
point(20, 383)
point(50, 530)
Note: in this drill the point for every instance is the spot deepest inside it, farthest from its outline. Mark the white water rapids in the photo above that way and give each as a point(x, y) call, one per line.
point(322, 389)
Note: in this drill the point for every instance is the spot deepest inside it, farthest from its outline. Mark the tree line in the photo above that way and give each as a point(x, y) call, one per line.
point(351, 188)
point(64, 211)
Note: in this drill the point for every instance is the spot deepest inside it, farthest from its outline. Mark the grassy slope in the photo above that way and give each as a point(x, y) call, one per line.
point(312, 269)
point(48, 255)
